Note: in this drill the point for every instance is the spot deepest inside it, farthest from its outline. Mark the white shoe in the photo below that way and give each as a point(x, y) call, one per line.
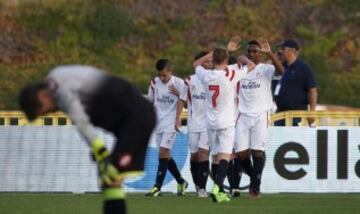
point(202, 193)
point(196, 189)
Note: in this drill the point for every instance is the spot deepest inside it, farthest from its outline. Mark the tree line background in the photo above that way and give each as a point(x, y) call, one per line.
point(125, 37)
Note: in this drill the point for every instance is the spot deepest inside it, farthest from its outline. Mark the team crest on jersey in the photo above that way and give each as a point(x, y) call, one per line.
point(258, 75)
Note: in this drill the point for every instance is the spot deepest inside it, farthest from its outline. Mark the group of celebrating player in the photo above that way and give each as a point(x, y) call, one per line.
point(228, 100)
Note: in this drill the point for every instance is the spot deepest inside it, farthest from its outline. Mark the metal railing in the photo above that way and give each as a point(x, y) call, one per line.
point(322, 118)
point(17, 118)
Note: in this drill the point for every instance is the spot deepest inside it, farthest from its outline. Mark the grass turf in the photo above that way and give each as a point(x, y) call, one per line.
point(44, 203)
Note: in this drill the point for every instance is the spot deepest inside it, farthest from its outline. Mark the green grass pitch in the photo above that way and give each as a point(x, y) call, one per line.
point(44, 203)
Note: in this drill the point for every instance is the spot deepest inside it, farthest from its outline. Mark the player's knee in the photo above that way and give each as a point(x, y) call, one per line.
point(258, 153)
point(203, 154)
point(223, 156)
point(243, 154)
point(215, 159)
point(194, 157)
point(164, 153)
point(232, 156)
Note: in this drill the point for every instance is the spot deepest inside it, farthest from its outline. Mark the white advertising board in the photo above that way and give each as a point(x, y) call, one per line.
point(55, 159)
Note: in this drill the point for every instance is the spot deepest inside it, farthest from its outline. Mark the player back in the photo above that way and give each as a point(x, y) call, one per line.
point(220, 94)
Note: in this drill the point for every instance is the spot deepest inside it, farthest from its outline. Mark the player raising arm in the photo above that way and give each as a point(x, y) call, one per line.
point(220, 85)
point(255, 101)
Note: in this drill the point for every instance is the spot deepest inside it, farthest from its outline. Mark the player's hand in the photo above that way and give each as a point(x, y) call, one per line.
point(264, 45)
point(233, 44)
point(173, 90)
point(178, 125)
point(242, 59)
point(99, 151)
point(311, 121)
point(108, 174)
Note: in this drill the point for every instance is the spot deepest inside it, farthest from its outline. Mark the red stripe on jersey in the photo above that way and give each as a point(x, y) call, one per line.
point(227, 72)
point(238, 87)
point(153, 92)
point(189, 95)
point(237, 93)
point(187, 80)
point(232, 75)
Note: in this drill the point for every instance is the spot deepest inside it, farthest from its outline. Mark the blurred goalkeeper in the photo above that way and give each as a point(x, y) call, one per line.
point(92, 99)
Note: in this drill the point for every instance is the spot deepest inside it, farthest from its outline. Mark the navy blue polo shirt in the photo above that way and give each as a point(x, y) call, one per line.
point(295, 84)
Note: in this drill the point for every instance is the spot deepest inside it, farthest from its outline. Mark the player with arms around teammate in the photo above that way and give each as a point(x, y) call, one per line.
point(220, 85)
point(193, 96)
point(164, 94)
point(255, 101)
point(93, 99)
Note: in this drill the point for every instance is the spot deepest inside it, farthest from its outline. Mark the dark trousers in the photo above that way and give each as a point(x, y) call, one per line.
point(119, 108)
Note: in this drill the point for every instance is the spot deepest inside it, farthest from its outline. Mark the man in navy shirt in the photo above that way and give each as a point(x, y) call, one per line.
point(297, 88)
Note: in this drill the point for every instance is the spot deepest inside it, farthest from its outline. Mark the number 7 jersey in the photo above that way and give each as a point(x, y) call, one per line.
point(220, 88)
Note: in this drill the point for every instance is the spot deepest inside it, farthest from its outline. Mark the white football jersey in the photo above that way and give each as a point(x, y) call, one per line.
point(165, 102)
point(72, 87)
point(220, 87)
point(194, 95)
point(255, 90)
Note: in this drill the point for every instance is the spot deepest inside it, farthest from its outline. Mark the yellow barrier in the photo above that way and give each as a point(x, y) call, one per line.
point(322, 118)
point(17, 118)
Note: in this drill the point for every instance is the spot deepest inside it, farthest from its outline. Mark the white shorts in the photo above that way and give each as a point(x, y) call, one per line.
point(198, 140)
point(251, 132)
point(221, 140)
point(165, 139)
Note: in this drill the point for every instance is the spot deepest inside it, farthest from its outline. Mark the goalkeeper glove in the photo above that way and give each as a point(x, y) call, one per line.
point(108, 174)
point(98, 150)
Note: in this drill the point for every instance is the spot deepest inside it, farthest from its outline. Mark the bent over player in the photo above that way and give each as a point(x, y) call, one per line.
point(93, 99)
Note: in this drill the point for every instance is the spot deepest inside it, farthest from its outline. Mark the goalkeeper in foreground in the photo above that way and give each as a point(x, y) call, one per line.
point(93, 99)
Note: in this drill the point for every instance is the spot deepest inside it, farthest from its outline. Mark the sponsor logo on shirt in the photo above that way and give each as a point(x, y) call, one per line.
point(251, 85)
point(165, 99)
point(199, 96)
